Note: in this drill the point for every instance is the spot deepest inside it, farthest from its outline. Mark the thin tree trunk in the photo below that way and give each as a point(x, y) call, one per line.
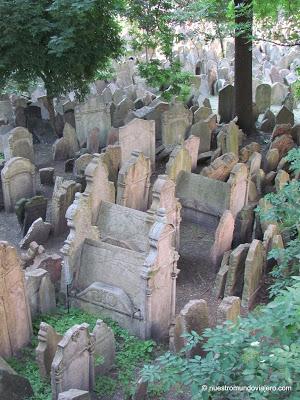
point(50, 108)
point(243, 67)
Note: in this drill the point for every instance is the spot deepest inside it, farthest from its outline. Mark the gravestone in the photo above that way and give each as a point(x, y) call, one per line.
point(73, 363)
point(203, 131)
point(226, 100)
point(93, 140)
point(138, 135)
point(175, 123)
point(15, 327)
point(34, 208)
point(223, 238)
point(48, 340)
point(12, 385)
point(134, 182)
point(81, 163)
point(220, 281)
point(229, 309)
point(202, 114)
point(263, 97)
point(18, 181)
point(180, 160)
point(221, 167)
point(121, 112)
point(62, 198)
point(105, 347)
point(38, 232)
point(74, 394)
point(282, 178)
point(193, 317)
point(254, 269)
point(90, 115)
point(235, 275)
point(285, 116)
point(192, 144)
point(19, 144)
point(67, 146)
point(47, 176)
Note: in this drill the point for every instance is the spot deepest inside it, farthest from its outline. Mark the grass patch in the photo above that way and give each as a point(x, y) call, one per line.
point(131, 354)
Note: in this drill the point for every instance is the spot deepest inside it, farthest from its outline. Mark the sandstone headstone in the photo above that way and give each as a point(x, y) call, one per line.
point(285, 116)
point(15, 327)
point(180, 160)
point(192, 144)
point(282, 178)
point(67, 146)
point(12, 385)
point(19, 144)
point(134, 182)
point(203, 131)
point(254, 269)
point(268, 122)
point(34, 208)
point(93, 140)
point(226, 99)
point(263, 97)
point(202, 114)
point(223, 238)
point(272, 159)
point(38, 232)
point(18, 181)
point(105, 347)
point(221, 167)
point(220, 281)
point(73, 363)
point(121, 111)
point(193, 317)
point(47, 176)
point(48, 340)
point(229, 309)
point(283, 143)
point(175, 124)
point(235, 275)
point(81, 163)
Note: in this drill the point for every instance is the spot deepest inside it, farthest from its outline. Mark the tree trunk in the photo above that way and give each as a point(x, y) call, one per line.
point(243, 66)
point(50, 107)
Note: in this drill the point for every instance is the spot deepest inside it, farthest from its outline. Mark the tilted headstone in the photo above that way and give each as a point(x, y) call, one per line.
point(73, 363)
point(221, 167)
point(67, 146)
point(134, 182)
point(34, 208)
point(105, 347)
point(81, 163)
point(19, 144)
point(38, 232)
point(235, 275)
point(175, 124)
point(15, 327)
point(48, 340)
point(180, 160)
point(263, 97)
point(203, 131)
point(18, 181)
point(192, 144)
point(229, 309)
point(220, 281)
point(254, 269)
point(285, 116)
point(223, 238)
point(226, 101)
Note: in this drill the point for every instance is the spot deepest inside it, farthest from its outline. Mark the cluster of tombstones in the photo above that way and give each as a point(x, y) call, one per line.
point(123, 218)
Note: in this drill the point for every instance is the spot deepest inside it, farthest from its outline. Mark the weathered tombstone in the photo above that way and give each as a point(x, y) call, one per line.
point(202, 113)
point(175, 124)
point(223, 238)
point(121, 112)
point(67, 146)
point(138, 135)
point(63, 196)
point(193, 317)
point(81, 163)
point(105, 347)
point(93, 140)
point(229, 309)
point(15, 327)
point(13, 386)
point(202, 130)
point(73, 363)
point(278, 93)
point(34, 208)
point(232, 138)
point(221, 167)
point(220, 281)
point(74, 394)
point(285, 116)
point(243, 226)
point(180, 160)
point(19, 144)
point(192, 144)
point(235, 275)
point(48, 340)
point(90, 115)
point(282, 178)
point(263, 97)
point(47, 176)
point(38, 232)
point(18, 181)
point(226, 99)
point(134, 182)
point(254, 269)
point(268, 122)
point(272, 159)
point(153, 112)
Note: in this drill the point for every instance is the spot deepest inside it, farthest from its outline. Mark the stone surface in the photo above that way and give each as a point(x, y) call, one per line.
point(223, 238)
point(134, 182)
point(203, 131)
point(283, 143)
point(254, 269)
point(220, 281)
point(73, 363)
point(47, 176)
point(13, 386)
point(15, 327)
point(81, 163)
point(263, 97)
point(192, 144)
point(272, 160)
point(34, 208)
point(180, 160)
point(93, 140)
point(48, 340)
point(105, 347)
point(285, 116)
point(19, 144)
point(67, 146)
point(38, 232)
point(18, 181)
point(221, 167)
point(175, 124)
point(74, 394)
point(229, 309)
point(235, 275)
point(282, 178)
point(226, 99)
point(193, 317)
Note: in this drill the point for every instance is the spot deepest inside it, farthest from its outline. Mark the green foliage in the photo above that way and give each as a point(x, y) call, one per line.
point(131, 353)
point(61, 42)
point(172, 81)
point(262, 349)
point(284, 209)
